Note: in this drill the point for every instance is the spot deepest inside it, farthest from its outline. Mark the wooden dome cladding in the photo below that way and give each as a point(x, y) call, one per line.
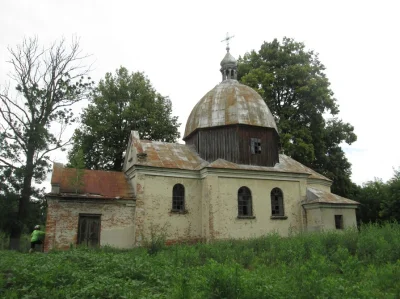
point(235, 143)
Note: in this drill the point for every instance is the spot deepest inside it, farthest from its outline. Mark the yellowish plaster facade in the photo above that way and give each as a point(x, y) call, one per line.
point(211, 204)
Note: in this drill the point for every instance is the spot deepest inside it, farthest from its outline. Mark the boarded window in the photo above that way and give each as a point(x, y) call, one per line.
point(244, 202)
point(277, 202)
point(178, 198)
point(339, 221)
point(89, 230)
point(255, 144)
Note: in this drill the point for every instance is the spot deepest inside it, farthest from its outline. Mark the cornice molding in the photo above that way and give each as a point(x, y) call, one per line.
point(220, 172)
point(323, 205)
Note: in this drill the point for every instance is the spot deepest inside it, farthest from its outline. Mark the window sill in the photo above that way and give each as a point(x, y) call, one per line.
point(279, 217)
point(178, 211)
point(246, 217)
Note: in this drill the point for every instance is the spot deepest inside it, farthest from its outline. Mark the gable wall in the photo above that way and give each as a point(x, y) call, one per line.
point(116, 228)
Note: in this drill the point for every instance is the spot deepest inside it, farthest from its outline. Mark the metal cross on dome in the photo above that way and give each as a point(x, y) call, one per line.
point(226, 39)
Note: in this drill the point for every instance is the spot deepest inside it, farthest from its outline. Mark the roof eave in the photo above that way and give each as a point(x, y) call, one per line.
point(83, 196)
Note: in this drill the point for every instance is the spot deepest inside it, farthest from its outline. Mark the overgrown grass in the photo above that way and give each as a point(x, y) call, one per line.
point(25, 242)
point(349, 264)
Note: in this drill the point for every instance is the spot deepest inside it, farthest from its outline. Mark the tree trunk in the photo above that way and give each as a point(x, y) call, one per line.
point(22, 214)
point(118, 161)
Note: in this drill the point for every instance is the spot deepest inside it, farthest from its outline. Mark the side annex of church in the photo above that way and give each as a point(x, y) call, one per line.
point(227, 182)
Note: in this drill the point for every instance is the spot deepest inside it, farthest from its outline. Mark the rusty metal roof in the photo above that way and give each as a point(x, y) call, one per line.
point(286, 164)
point(230, 103)
point(320, 196)
point(168, 155)
point(95, 183)
point(181, 156)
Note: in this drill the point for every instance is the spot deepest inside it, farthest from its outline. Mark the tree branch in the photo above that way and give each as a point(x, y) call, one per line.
point(7, 164)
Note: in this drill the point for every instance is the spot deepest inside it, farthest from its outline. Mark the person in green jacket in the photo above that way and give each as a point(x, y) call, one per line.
point(36, 237)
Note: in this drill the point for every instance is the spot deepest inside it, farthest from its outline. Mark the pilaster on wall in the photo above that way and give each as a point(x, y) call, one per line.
point(209, 203)
point(140, 212)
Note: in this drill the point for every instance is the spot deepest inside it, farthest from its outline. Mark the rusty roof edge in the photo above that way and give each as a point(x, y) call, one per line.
point(342, 205)
point(318, 195)
point(159, 169)
point(320, 181)
point(238, 171)
point(84, 196)
point(283, 160)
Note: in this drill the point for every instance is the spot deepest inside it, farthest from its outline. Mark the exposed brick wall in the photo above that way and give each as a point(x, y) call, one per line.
point(116, 228)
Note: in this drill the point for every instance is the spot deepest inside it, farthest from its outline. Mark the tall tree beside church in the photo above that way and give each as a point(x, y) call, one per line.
point(122, 102)
point(34, 116)
point(292, 82)
point(390, 207)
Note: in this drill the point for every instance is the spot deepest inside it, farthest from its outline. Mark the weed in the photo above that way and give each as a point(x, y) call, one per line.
point(346, 264)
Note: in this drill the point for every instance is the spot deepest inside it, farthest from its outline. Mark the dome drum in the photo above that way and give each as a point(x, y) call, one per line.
point(241, 144)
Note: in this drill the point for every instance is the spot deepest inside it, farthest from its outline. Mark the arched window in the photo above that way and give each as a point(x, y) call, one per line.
point(178, 198)
point(277, 202)
point(244, 202)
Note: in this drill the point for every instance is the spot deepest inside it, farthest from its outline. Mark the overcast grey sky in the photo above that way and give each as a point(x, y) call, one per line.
point(177, 44)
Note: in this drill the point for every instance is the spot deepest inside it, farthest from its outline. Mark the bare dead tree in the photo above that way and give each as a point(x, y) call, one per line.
point(48, 81)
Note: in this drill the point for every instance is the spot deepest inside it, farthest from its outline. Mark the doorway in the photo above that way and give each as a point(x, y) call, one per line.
point(89, 230)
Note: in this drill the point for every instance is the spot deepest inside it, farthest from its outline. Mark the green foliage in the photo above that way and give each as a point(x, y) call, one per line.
point(370, 196)
point(25, 241)
point(391, 206)
point(78, 163)
point(156, 240)
point(380, 201)
point(292, 82)
point(121, 103)
point(345, 264)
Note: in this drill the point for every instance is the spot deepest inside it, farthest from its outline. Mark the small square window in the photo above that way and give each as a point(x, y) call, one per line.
point(339, 221)
point(255, 144)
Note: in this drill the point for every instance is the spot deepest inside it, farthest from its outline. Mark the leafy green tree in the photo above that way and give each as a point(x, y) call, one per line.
point(78, 163)
point(292, 82)
point(390, 207)
point(47, 82)
point(122, 102)
point(10, 188)
point(371, 195)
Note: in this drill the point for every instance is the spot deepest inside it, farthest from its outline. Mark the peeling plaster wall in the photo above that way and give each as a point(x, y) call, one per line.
point(225, 208)
point(323, 218)
point(154, 204)
point(328, 216)
point(212, 207)
point(314, 220)
point(116, 229)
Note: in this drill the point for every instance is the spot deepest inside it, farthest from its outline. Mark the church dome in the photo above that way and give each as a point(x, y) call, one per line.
point(228, 60)
point(230, 103)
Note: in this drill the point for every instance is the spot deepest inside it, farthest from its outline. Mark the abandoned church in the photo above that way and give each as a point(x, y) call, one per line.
point(227, 181)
